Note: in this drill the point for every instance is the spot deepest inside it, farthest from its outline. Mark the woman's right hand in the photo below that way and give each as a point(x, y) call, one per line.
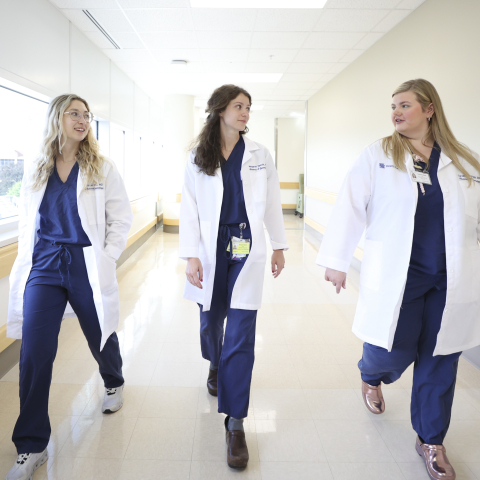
point(337, 278)
point(194, 271)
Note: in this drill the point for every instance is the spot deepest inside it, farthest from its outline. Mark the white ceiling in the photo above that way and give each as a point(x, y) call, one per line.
point(308, 46)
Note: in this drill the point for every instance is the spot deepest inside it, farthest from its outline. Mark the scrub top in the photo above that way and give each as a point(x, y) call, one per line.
point(233, 204)
point(59, 219)
point(428, 247)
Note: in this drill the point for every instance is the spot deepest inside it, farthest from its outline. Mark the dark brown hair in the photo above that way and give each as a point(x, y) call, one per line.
point(209, 156)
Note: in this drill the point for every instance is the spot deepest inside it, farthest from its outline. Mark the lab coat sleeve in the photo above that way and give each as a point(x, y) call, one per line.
point(118, 214)
point(273, 210)
point(189, 220)
point(348, 218)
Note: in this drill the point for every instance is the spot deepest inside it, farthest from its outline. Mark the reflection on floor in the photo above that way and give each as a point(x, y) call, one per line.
point(306, 421)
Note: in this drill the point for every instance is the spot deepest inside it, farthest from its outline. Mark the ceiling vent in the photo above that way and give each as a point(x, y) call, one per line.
point(104, 32)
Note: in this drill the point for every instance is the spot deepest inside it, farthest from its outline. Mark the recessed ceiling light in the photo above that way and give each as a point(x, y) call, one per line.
point(257, 107)
point(296, 114)
point(257, 4)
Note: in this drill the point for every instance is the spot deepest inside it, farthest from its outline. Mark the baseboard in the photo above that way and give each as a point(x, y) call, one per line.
point(170, 228)
point(129, 251)
point(288, 211)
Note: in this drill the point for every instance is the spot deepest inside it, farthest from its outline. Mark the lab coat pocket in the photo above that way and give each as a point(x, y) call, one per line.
point(259, 185)
point(107, 275)
point(371, 271)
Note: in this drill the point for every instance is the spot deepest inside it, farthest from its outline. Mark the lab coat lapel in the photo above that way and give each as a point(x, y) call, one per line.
point(444, 161)
point(250, 146)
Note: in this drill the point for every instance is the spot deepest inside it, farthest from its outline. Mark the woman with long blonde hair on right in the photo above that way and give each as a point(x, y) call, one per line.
point(74, 219)
point(417, 194)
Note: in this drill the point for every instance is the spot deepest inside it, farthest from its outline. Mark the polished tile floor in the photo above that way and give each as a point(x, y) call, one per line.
point(306, 419)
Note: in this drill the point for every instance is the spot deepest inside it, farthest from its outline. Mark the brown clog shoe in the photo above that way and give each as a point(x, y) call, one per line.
point(373, 398)
point(212, 382)
point(436, 461)
point(237, 451)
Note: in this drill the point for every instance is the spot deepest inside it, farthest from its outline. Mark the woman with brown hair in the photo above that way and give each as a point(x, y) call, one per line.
point(74, 219)
point(417, 194)
point(231, 189)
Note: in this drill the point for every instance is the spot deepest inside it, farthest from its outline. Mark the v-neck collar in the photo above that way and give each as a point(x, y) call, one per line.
point(69, 175)
point(234, 148)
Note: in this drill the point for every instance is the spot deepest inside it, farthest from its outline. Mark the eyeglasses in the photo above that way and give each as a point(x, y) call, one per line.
point(88, 117)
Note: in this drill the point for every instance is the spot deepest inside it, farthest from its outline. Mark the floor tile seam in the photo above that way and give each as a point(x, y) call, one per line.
point(130, 439)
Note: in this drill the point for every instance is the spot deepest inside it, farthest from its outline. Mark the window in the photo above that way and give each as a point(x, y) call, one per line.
point(21, 130)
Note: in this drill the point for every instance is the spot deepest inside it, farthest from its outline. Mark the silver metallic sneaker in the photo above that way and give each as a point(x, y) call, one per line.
point(112, 400)
point(26, 464)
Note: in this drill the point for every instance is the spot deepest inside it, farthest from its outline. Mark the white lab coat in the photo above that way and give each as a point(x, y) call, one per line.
point(106, 216)
point(200, 216)
point(381, 198)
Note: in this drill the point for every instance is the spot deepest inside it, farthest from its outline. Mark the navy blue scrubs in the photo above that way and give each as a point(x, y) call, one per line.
point(419, 323)
point(234, 354)
point(58, 275)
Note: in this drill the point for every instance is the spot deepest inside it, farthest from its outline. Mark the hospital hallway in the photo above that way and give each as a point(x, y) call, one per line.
point(306, 421)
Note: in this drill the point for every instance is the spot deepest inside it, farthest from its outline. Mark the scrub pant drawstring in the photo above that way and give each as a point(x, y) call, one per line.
point(64, 253)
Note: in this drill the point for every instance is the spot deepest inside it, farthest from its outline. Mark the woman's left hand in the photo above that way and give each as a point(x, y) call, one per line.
point(278, 263)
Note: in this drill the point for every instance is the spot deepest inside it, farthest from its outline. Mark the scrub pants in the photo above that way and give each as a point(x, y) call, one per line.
point(233, 354)
point(434, 377)
point(58, 275)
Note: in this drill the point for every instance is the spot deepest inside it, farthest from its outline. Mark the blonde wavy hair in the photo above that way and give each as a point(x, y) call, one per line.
point(89, 158)
point(397, 145)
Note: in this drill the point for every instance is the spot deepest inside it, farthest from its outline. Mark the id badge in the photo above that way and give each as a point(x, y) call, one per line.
point(241, 247)
point(420, 177)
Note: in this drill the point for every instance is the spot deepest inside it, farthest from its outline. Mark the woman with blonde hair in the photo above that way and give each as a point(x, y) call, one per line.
point(417, 194)
point(74, 220)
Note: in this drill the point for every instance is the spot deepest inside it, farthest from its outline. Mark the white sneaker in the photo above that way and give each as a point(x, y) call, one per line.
point(26, 464)
point(112, 400)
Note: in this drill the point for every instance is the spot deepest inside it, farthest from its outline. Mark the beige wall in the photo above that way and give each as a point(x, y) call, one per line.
point(440, 42)
point(290, 154)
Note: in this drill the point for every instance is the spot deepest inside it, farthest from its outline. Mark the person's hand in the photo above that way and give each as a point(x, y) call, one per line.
point(278, 263)
point(338, 279)
point(194, 271)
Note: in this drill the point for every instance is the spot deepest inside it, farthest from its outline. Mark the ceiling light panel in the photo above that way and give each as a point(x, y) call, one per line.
point(154, 3)
point(391, 20)
point(349, 20)
point(335, 40)
point(222, 19)
point(257, 3)
point(111, 20)
point(278, 39)
point(161, 19)
point(222, 39)
point(272, 55)
point(82, 4)
point(388, 4)
point(286, 20)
